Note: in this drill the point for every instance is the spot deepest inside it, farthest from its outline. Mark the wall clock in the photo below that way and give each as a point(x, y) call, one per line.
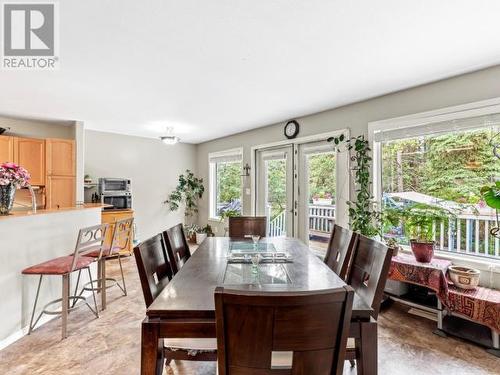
point(291, 129)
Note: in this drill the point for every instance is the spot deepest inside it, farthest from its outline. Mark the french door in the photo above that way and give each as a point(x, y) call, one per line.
point(296, 189)
point(274, 192)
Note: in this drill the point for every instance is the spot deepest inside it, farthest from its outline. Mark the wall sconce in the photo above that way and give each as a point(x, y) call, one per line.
point(246, 171)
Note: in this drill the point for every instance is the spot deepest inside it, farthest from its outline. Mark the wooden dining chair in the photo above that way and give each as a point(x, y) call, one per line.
point(282, 332)
point(244, 226)
point(155, 272)
point(340, 249)
point(177, 247)
point(367, 276)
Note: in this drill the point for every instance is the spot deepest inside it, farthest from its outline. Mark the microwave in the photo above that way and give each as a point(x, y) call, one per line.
point(117, 201)
point(113, 186)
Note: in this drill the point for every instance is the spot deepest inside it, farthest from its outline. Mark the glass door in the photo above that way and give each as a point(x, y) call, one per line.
point(275, 189)
point(316, 194)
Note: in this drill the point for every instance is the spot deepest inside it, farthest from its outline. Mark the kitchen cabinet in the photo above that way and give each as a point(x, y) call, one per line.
point(29, 153)
point(111, 217)
point(60, 157)
point(6, 149)
point(60, 191)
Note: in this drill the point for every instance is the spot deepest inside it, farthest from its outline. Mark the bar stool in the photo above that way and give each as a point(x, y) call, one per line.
point(88, 240)
point(122, 235)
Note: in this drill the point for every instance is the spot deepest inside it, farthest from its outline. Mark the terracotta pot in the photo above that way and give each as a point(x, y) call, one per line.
point(423, 251)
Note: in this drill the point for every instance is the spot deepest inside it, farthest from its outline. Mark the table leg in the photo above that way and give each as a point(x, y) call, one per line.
point(152, 360)
point(366, 348)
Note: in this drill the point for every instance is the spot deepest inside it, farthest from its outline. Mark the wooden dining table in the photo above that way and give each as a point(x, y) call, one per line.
point(186, 308)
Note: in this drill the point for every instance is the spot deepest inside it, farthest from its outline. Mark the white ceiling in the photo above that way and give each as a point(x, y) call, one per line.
point(214, 68)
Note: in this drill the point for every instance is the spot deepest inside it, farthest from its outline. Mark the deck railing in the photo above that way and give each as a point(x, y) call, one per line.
point(321, 219)
point(468, 234)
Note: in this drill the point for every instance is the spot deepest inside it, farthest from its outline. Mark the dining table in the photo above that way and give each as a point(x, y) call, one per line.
point(186, 308)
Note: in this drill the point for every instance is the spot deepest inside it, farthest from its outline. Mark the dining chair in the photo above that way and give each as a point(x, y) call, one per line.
point(155, 272)
point(367, 276)
point(340, 249)
point(282, 332)
point(120, 240)
point(177, 247)
point(89, 239)
point(245, 226)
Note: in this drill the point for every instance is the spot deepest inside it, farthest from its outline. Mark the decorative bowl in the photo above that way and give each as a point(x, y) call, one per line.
point(464, 277)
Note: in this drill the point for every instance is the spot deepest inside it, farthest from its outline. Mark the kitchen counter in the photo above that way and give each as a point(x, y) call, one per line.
point(27, 239)
point(21, 213)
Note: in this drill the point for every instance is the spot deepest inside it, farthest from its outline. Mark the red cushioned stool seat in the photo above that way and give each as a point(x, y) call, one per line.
point(58, 266)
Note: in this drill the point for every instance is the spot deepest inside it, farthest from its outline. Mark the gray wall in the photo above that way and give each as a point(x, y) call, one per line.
point(37, 129)
point(467, 88)
point(153, 168)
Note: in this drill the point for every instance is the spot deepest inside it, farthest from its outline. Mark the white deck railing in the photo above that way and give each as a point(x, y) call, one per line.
point(321, 219)
point(468, 234)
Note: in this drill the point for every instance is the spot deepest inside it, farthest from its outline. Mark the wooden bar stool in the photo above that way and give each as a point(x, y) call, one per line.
point(122, 235)
point(89, 239)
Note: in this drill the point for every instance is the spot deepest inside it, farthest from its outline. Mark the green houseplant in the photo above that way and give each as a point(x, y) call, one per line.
point(418, 225)
point(189, 189)
point(491, 195)
point(363, 215)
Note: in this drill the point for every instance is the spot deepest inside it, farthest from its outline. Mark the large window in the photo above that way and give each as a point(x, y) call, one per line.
point(225, 183)
point(441, 168)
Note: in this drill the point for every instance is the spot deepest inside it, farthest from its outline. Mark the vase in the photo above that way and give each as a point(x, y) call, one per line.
point(7, 193)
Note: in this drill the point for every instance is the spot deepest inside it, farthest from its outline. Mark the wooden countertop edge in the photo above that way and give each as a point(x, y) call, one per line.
point(85, 206)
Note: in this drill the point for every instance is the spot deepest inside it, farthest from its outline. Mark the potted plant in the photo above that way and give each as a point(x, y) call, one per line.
point(208, 230)
point(418, 223)
point(363, 215)
point(491, 195)
point(200, 235)
point(189, 189)
point(191, 231)
point(12, 177)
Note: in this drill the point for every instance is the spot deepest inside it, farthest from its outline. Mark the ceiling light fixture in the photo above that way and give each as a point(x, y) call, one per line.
point(170, 139)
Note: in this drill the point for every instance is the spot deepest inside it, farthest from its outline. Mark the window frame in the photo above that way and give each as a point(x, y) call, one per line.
point(426, 120)
point(212, 168)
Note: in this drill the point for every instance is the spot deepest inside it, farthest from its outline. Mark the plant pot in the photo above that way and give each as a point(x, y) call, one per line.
point(423, 251)
point(7, 194)
point(200, 237)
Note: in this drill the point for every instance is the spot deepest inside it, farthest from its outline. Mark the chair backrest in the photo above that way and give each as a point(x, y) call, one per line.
point(122, 234)
point(255, 328)
point(154, 268)
point(242, 226)
point(177, 247)
point(339, 252)
point(369, 271)
point(88, 241)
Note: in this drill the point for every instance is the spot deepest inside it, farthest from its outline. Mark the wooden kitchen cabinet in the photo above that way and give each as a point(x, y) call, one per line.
point(61, 158)
point(29, 153)
point(6, 149)
point(111, 217)
point(60, 191)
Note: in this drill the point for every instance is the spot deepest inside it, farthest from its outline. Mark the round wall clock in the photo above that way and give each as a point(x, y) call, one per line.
point(291, 129)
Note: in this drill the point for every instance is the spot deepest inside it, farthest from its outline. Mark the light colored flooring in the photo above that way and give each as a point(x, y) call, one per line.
point(111, 344)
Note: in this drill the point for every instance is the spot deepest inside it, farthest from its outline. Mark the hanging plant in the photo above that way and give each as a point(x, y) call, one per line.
point(188, 191)
point(364, 217)
point(491, 195)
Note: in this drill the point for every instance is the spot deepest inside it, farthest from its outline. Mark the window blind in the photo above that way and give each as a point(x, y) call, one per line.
point(470, 123)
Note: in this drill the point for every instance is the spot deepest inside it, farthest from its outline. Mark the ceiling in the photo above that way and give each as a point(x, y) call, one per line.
point(214, 68)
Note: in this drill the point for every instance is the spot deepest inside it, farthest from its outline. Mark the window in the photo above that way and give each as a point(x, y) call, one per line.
point(441, 166)
point(225, 182)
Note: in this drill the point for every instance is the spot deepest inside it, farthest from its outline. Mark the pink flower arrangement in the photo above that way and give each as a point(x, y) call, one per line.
point(11, 173)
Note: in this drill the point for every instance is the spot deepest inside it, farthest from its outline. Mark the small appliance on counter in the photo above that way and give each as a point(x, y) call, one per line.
point(115, 192)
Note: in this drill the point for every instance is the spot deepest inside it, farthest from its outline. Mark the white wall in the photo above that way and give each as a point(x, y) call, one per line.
point(467, 88)
point(37, 129)
point(153, 168)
